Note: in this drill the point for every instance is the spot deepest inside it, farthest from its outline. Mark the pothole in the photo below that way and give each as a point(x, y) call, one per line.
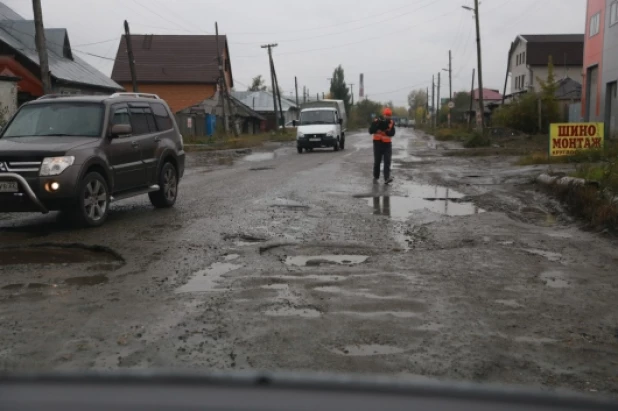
point(400, 202)
point(554, 279)
point(88, 280)
point(285, 203)
point(290, 311)
point(244, 238)
point(208, 279)
point(261, 168)
point(318, 260)
point(56, 254)
point(368, 350)
point(255, 157)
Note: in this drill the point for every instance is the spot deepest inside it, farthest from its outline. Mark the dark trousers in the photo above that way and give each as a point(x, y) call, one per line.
point(382, 150)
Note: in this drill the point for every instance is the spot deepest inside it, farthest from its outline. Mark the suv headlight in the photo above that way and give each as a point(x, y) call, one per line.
point(53, 166)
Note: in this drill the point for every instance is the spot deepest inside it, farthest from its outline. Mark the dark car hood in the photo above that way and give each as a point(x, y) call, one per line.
point(45, 146)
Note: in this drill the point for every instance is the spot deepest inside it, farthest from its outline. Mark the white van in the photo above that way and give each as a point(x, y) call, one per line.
point(322, 124)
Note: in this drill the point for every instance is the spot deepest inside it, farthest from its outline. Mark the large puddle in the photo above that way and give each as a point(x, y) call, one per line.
point(318, 260)
point(208, 279)
point(417, 197)
point(255, 157)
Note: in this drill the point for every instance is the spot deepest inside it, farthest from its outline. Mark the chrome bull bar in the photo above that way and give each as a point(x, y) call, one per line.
point(26, 187)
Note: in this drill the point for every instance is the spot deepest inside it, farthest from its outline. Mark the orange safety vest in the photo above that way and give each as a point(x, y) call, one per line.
point(381, 135)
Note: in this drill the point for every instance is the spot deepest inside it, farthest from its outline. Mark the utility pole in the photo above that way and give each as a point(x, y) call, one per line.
point(272, 77)
point(438, 101)
point(296, 88)
point(129, 42)
point(471, 99)
point(450, 77)
point(41, 46)
point(352, 91)
point(221, 82)
point(323, 96)
point(426, 105)
point(433, 101)
point(480, 65)
point(282, 119)
point(304, 94)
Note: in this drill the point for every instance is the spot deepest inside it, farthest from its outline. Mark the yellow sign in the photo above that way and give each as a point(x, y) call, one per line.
point(566, 139)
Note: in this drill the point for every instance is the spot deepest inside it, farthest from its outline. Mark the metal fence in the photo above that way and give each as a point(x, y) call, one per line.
point(575, 113)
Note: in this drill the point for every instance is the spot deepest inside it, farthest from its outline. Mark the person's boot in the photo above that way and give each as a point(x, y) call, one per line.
point(388, 180)
point(376, 181)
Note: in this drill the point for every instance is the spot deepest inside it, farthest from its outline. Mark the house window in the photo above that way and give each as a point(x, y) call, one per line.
point(517, 60)
point(523, 57)
point(595, 24)
point(613, 13)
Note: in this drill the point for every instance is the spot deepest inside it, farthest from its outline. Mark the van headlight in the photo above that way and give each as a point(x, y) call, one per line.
point(330, 134)
point(53, 166)
point(299, 135)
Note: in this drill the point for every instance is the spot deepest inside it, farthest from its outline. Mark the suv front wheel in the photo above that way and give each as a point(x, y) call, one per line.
point(92, 205)
point(168, 187)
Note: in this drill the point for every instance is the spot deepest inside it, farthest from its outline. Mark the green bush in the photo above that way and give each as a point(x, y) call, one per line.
point(477, 140)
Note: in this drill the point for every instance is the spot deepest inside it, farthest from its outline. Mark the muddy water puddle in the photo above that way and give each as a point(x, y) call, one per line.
point(208, 279)
point(55, 255)
point(402, 202)
point(332, 289)
point(318, 260)
point(255, 157)
point(368, 350)
point(554, 279)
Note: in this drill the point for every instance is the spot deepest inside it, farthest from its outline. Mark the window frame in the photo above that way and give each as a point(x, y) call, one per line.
point(613, 15)
point(594, 18)
point(167, 116)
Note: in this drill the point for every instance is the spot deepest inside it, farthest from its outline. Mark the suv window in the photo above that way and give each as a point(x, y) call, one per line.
point(121, 116)
point(142, 121)
point(57, 119)
point(162, 117)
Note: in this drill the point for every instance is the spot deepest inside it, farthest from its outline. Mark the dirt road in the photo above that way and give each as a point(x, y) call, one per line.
point(278, 261)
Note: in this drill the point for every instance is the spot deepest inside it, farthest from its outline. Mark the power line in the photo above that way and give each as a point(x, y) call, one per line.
point(96, 42)
point(391, 11)
point(431, 2)
point(388, 34)
point(158, 15)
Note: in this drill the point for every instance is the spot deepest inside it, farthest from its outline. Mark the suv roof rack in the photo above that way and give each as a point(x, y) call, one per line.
point(144, 95)
point(48, 96)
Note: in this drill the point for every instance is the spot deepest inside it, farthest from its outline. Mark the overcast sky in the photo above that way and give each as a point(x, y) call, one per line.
point(398, 44)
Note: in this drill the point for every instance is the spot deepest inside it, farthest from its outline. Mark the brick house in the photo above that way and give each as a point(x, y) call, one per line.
point(600, 67)
point(181, 69)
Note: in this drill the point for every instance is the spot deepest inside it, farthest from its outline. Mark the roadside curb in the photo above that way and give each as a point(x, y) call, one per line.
point(548, 180)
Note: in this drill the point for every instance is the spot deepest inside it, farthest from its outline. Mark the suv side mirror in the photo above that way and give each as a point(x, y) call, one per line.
point(121, 130)
point(340, 121)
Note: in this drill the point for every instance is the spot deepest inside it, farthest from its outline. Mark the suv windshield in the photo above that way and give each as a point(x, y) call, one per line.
point(57, 119)
point(318, 117)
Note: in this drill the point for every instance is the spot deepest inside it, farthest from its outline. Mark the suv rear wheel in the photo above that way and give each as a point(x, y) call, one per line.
point(93, 198)
point(168, 191)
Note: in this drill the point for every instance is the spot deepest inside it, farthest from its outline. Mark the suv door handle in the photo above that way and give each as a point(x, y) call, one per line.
point(135, 144)
point(157, 138)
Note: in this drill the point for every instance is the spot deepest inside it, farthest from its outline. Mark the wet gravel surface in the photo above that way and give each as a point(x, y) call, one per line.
point(461, 270)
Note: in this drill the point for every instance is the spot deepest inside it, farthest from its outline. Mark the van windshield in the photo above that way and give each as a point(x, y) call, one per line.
point(317, 117)
point(57, 119)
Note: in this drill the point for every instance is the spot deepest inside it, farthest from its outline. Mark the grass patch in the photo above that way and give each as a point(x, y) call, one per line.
point(607, 154)
point(222, 142)
point(590, 204)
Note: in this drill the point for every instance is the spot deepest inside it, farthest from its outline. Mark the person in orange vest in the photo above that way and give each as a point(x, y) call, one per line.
point(383, 129)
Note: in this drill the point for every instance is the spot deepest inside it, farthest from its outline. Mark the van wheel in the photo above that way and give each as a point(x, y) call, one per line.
point(299, 149)
point(343, 143)
point(168, 187)
point(336, 146)
point(93, 201)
